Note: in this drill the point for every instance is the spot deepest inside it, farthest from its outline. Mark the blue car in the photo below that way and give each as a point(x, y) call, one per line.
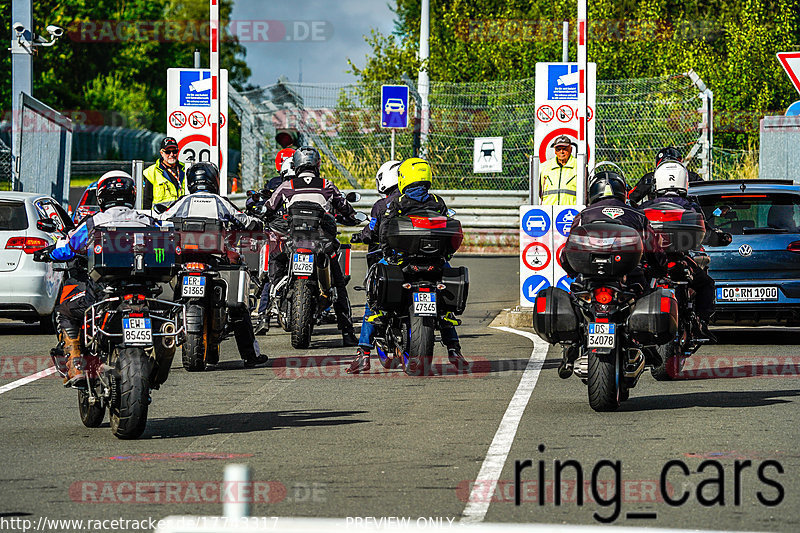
point(758, 274)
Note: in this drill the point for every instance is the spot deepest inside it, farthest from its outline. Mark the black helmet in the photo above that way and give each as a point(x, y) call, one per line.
point(116, 188)
point(670, 153)
point(306, 158)
point(607, 184)
point(203, 176)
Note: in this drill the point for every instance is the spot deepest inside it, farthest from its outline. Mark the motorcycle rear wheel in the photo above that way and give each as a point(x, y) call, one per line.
point(603, 382)
point(128, 410)
point(303, 312)
point(420, 347)
point(194, 351)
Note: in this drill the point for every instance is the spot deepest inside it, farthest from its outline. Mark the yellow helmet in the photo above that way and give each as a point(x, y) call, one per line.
point(413, 171)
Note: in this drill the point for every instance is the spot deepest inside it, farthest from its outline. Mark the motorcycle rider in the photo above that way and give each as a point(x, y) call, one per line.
point(671, 185)
point(204, 201)
point(644, 187)
point(308, 186)
point(116, 195)
point(386, 182)
point(607, 194)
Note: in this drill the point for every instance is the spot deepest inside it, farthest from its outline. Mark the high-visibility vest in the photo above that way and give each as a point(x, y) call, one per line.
point(164, 189)
point(558, 184)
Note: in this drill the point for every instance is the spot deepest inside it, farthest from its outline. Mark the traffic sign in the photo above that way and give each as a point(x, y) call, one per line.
point(564, 221)
point(394, 106)
point(487, 154)
point(565, 282)
point(545, 113)
point(177, 119)
point(546, 152)
point(791, 64)
point(196, 148)
point(533, 285)
point(197, 119)
point(565, 113)
point(536, 256)
point(535, 222)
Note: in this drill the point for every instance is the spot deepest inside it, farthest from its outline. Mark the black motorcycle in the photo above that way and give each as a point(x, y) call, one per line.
point(414, 288)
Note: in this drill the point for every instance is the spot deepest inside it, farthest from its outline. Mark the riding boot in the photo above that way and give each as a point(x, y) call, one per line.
point(72, 350)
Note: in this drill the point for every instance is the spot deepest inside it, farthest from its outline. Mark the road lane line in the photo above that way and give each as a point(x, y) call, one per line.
point(492, 467)
point(27, 379)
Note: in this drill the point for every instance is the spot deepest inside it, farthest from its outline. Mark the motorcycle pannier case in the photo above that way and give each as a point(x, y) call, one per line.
point(385, 287)
point(146, 253)
point(654, 318)
point(200, 235)
point(604, 250)
point(554, 318)
point(679, 230)
point(238, 286)
point(435, 236)
point(454, 295)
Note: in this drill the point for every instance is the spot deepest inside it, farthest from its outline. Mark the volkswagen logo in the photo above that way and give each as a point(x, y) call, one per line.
point(745, 250)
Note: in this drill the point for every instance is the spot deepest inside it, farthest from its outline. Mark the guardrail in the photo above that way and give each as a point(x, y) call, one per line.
point(474, 208)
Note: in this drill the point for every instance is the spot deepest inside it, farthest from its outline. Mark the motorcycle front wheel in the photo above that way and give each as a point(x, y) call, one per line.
point(130, 393)
point(92, 415)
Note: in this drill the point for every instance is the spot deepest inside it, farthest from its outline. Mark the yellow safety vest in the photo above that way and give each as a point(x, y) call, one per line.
point(164, 189)
point(558, 184)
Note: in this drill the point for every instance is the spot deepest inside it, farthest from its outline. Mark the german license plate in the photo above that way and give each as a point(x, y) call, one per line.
point(137, 331)
point(425, 304)
point(601, 335)
point(747, 294)
point(193, 286)
point(303, 264)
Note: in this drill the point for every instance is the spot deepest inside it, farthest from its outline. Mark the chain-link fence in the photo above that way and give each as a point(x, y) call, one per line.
point(635, 117)
point(5, 166)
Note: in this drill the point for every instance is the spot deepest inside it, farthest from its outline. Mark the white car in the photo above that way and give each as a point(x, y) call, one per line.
point(29, 290)
point(395, 104)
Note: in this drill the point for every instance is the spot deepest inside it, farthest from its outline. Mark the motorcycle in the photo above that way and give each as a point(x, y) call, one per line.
point(615, 325)
point(130, 336)
point(414, 288)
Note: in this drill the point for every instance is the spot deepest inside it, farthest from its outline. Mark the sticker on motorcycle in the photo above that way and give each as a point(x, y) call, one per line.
point(613, 212)
point(193, 286)
point(303, 264)
point(601, 335)
point(137, 332)
point(424, 304)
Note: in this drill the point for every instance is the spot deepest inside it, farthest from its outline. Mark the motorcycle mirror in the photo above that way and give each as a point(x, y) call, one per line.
point(361, 217)
point(47, 225)
point(451, 212)
point(160, 208)
point(353, 196)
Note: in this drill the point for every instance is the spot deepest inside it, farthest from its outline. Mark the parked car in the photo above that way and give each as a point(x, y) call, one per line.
point(758, 273)
point(87, 205)
point(28, 290)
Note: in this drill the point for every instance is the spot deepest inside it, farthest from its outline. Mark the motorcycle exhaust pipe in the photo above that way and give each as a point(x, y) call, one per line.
point(168, 340)
point(635, 368)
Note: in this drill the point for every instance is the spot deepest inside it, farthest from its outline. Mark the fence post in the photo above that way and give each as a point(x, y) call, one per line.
point(137, 171)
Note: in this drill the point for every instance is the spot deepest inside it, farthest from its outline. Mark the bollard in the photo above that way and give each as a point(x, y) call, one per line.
point(238, 492)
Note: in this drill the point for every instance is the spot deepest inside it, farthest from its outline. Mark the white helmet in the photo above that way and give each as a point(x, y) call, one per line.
point(287, 169)
point(671, 177)
point(386, 178)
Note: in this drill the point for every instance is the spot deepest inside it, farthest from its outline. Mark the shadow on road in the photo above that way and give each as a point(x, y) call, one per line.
point(196, 426)
point(736, 399)
point(21, 328)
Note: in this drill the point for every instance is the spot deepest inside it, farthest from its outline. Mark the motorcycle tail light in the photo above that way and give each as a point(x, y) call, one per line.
point(304, 250)
point(26, 244)
point(794, 247)
point(666, 305)
point(406, 285)
point(603, 295)
point(129, 297)
point(195, 266)
point(541, 304)
point(666, 215)
point(136, 315)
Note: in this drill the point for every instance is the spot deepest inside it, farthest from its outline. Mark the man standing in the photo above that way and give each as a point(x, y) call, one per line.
point(558, 176)
point(164, 181)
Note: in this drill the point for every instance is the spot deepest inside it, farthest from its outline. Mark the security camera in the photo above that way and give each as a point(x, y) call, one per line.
point(55, 31)
point(19, 27)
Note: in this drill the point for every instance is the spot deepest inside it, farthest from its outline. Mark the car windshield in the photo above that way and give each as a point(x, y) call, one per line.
point(13, 216)
point(741, 214)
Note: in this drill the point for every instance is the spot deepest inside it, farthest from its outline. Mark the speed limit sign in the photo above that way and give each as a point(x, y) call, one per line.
point(195, 148)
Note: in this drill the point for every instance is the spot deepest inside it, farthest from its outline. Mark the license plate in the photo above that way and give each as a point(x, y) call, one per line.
point(193, 286)
point(303, 264)
point(601, 335)
point(137, 331)
point(424, 304)
point(747, 294)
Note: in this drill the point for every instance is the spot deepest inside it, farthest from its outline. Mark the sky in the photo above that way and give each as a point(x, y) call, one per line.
point(320, 33)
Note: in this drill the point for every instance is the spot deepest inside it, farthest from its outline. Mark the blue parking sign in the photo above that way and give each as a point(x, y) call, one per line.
point(536, 222)
point(394, 106)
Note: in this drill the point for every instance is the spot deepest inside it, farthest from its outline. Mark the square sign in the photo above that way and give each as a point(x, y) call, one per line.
point(487, 155)
point(394, 106)
point(562, 82)
point(195, 88)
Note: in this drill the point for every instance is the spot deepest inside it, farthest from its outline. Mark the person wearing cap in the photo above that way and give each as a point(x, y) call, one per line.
point(558, 176)
point(164, 181)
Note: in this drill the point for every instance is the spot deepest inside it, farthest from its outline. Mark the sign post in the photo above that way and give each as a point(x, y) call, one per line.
point(214, 117)
point(394, 109)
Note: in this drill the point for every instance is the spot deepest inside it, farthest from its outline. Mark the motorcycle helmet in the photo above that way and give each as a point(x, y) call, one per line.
point(203, 176)
point(306, 158)
point(670, 153)
point(282, 156)
point(414, 171)
point(607, 184)
point(387, 179)
point(116, 188)
point(671, 177)
point(287, 170)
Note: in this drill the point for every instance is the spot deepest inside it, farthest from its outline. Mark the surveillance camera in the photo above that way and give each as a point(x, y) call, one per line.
point(55, 31)
point(19, 27)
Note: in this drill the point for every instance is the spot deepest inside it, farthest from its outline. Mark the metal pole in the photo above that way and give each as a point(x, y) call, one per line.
point(580, 193)
point(423, 83)
point(21, 77)
point(392, 154)
point(565, 42)
point(533, 180)
point(196, 58)
point(137, 171)
point(710, 118)
point(237, 484)
point(215, 92)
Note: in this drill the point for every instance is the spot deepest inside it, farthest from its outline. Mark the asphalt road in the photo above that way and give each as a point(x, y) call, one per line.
point(321, 443)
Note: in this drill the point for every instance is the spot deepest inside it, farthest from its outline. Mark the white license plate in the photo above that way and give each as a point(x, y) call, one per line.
point(601, 335)
point(424, 304)
point(747, 294)
point(303, 264)
point(137, 331)
point(193, 286)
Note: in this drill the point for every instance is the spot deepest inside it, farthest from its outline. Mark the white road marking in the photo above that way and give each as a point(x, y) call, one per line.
point(27, 379)
point(492, 467)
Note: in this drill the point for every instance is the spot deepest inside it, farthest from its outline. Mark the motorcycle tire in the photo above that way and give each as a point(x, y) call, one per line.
point(92, 415)
point(128, 411)
point(193, 351)
point(671, 362)
point(603, 382)
point(420, 347)
point(303, 312)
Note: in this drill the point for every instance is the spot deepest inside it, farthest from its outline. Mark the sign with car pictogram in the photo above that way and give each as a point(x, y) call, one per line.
point(394, 106)
point(487, 154)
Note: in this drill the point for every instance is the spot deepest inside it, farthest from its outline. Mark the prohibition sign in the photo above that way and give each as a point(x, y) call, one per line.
point(197, 120)
point(555, 133)
point(221, 120)
point(558, 254)
point(540, 256)
point(564, 113)
point(177, 119)
point(544, 113)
